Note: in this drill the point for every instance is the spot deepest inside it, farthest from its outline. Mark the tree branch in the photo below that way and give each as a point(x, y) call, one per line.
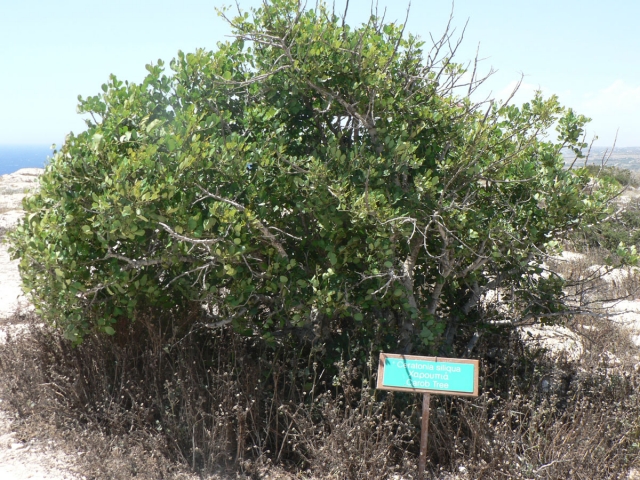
point(261, 226)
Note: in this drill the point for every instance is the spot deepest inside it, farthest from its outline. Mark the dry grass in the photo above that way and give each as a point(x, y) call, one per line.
point(187, 400)
point(178, 400)
point(543, 417)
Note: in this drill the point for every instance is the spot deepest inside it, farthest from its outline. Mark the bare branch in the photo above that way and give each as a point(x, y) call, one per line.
point(285, 233)
point(227, 320)
point(261, 226)
point(182, 238)
point(197, 269)
point(344, 15)
point(133, 262)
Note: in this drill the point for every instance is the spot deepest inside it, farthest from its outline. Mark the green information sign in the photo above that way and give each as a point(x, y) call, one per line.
point(411, 373)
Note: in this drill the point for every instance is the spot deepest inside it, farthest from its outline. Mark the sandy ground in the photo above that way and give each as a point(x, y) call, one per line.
point(11, 296)
point(36, 459)
point(12, 190)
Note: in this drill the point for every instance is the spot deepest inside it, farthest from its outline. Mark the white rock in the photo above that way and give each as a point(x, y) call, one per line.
point(556, 339)
point(566, 256)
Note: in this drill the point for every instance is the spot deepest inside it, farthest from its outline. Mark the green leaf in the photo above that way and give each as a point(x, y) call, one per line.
point(277, 185)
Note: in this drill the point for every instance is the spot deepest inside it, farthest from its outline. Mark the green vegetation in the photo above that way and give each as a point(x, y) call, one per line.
point(623, 229)
point(309, 179)
point(622, 176)
point(240, 235)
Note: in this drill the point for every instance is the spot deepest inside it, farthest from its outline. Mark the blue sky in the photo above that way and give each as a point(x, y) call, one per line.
point(586, 52)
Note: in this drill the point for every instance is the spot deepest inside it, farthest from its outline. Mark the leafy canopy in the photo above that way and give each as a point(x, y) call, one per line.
point(308, 179)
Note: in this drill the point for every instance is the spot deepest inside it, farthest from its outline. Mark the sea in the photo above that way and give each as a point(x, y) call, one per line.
point(15, 157)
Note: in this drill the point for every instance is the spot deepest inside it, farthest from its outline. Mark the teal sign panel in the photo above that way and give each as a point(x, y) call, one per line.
point(429, 375)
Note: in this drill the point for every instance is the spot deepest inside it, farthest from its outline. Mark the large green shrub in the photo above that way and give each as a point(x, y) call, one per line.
point(306, 178)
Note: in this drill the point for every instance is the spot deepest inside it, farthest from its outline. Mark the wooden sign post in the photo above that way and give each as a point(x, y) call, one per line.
point(427, 375)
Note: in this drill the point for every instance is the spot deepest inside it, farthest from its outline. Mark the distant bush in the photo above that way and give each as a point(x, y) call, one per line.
point(622, 176)
point(608, 235)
